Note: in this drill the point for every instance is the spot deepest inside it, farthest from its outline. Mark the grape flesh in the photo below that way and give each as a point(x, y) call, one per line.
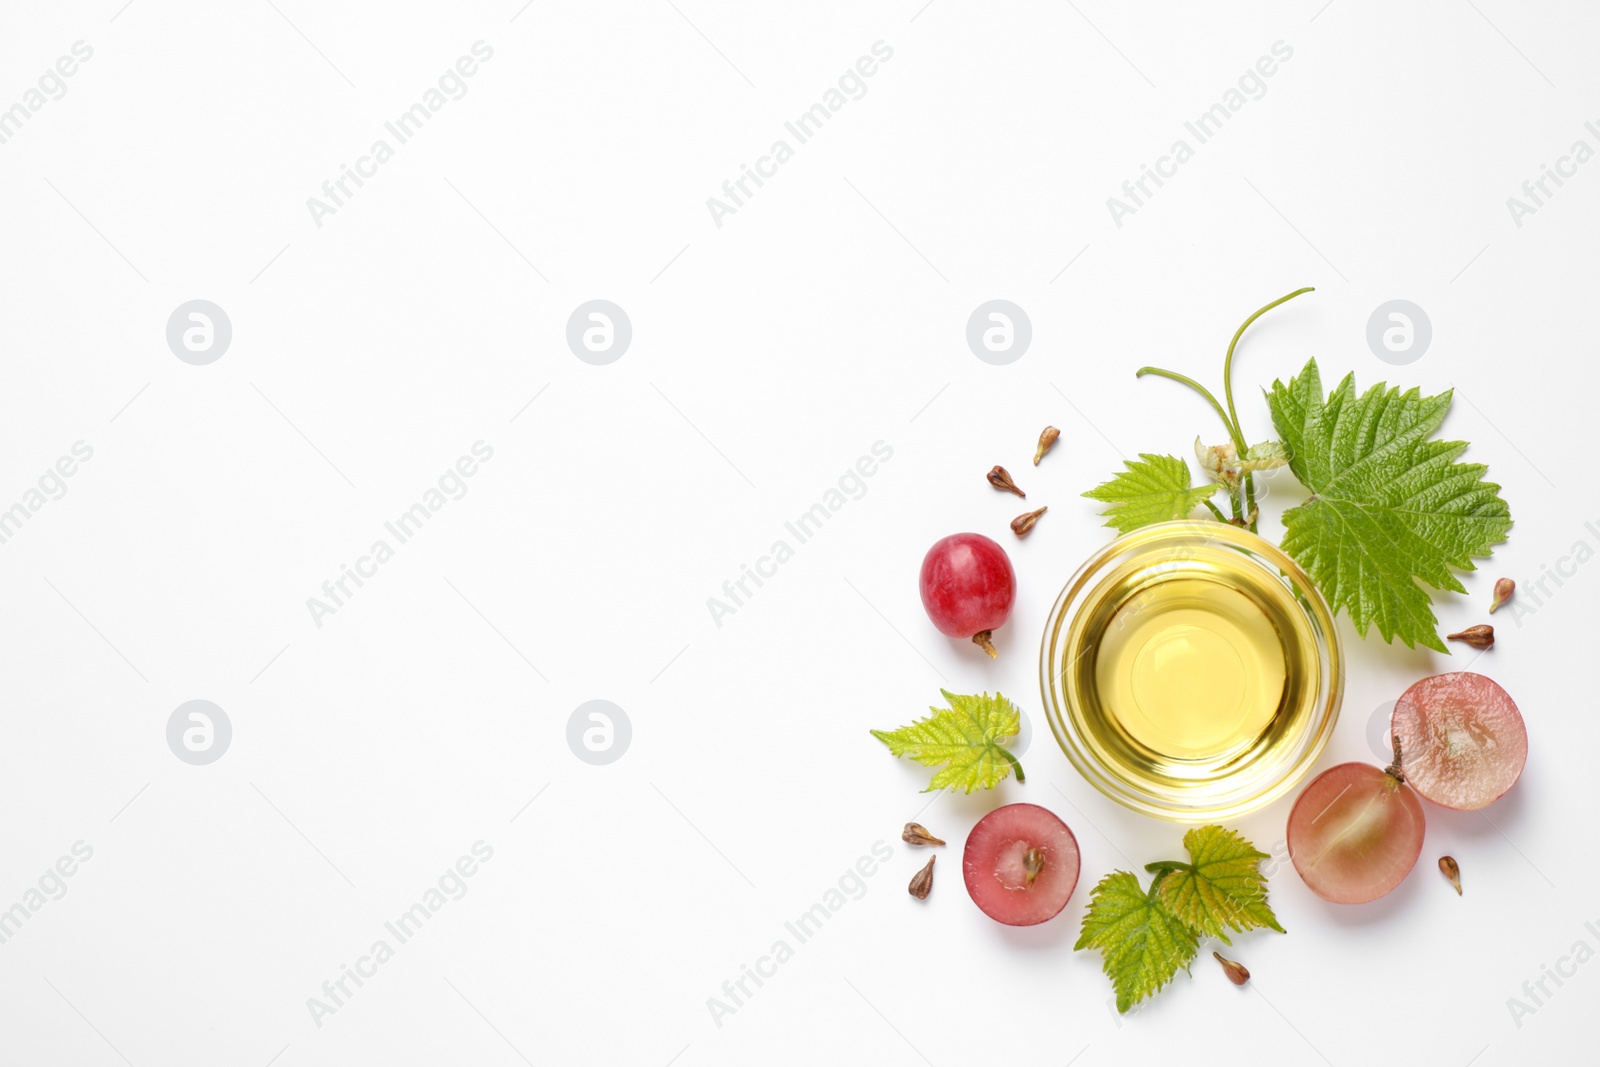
point(1355, 833)
point(1462, 739)
point(968, 587)
point(1021, 864)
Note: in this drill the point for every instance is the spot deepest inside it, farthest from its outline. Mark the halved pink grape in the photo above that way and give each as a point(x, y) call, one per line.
point(1462, 739)
point(1355, 833)
point(1021, 864)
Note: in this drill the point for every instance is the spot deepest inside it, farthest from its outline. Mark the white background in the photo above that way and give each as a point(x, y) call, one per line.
point(768, 355)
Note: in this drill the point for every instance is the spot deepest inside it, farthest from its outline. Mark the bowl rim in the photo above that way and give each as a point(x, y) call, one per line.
point(1151, 538)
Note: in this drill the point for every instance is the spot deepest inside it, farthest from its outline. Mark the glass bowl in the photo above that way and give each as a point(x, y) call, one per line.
point(1191, 671)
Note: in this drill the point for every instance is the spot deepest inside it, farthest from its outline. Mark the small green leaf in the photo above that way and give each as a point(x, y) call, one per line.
point(1390, 505)
point(1144, 937)
point(1152, 489)
point(1265, 456)
point(968, 737)
point(1141, 943)
point(1221, 463)
point(1221, 888)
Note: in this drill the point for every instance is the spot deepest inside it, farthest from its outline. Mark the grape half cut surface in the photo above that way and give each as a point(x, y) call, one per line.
point(994, 864)
point(1462, 740)
point(1355, 833)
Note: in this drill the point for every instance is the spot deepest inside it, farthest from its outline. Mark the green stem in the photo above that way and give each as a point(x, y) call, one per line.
point(1015, 766)
point(1167, 865)
point(1161, 871)
point(1217, 512)
point(1203, 391)
point(1227, 363)
point(1227, 389)
point(1230, 418)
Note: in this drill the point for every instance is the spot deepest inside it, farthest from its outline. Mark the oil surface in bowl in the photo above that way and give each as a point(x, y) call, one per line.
point(1190, 668)
point(1191, 672)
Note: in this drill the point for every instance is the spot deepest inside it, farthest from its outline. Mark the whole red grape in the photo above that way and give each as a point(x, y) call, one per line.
point(968, 587)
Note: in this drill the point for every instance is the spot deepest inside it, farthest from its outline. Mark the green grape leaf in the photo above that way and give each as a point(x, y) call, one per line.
point(1152, 489)
point(968, 737)
point(1389, 505)
point(1221, 888)
point(1142, 944)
